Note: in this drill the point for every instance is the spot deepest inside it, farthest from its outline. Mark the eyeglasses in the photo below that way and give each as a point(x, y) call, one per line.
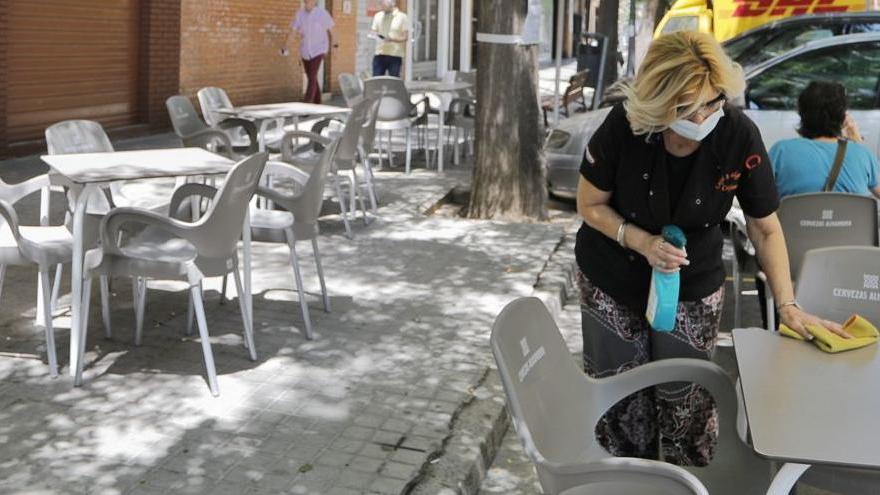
point(709, 108)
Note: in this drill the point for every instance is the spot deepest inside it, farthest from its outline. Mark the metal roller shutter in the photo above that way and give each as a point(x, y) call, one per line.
point(71, 60)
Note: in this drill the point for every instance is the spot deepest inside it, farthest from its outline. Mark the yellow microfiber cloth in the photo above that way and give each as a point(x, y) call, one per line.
point(862, 331)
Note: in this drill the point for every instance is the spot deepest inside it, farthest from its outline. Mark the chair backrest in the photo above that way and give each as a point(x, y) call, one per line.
point(77, 136)
point(368, 131)
point(362, 115)
point(307, 207)
point(351, 88)
point(392, 94)
point(818, 220)
point(217, 232)
point(183, 115)
point(211, 99)
point(540, 375)
point(837, 282)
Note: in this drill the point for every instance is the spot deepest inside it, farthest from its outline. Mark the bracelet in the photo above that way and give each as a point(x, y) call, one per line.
point(790, 303)
point(621, 234)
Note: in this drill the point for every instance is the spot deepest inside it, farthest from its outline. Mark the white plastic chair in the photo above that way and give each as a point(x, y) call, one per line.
point(212, 99)
point(193, 132)
point(44, 246)
point(396, 111)
point(298, 219)
point(174, 249)
point(555, 408)
point(352, 88)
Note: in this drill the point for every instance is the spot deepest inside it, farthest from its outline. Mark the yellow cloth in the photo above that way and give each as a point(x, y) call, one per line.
point(862, 331)
point(395, 25)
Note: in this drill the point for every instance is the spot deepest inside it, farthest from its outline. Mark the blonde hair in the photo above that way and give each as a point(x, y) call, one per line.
point(680, 73)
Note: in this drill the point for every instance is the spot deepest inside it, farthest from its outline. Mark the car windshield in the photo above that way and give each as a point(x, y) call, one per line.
point(750, 51)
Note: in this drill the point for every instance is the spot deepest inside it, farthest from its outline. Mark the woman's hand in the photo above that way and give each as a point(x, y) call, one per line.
point(796, 319)
point(662, 255)
point(851, 129)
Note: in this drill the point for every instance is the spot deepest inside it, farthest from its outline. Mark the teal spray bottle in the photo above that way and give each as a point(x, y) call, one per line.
point(663, 298)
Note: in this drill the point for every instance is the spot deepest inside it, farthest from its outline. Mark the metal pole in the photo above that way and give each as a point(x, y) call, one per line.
point(560, 19)
point(600, 78)
point(443, 36)
point(465, 35)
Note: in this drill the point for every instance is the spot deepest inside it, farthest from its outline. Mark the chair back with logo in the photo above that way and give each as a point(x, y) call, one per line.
point(837, 282)
point(819, 220)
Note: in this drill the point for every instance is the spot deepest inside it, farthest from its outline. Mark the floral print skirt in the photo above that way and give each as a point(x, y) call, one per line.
point(675, 422)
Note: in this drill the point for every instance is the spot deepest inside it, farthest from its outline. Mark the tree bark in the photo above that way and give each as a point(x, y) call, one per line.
point(509, 181)
point(606, 23)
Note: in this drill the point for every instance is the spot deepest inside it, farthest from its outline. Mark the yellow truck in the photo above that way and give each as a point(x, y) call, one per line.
point(728, 18)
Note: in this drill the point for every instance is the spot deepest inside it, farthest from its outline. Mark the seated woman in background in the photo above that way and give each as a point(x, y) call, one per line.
point(802, 165)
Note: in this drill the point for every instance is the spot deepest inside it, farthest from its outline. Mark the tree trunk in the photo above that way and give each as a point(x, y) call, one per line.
point(509, 181)
point(606, 23)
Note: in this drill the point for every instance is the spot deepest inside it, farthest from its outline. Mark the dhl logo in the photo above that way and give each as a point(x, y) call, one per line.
point(760, 8)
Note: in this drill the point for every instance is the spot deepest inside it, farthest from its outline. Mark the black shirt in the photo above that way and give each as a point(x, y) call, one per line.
point(730, 161)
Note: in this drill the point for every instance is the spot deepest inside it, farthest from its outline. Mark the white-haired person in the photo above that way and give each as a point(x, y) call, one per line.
point(391, 28)
point(673, 153)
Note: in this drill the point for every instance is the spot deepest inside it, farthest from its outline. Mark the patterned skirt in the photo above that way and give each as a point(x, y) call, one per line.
point(675, 422)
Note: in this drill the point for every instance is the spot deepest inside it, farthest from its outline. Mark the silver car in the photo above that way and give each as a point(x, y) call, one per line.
point(770, 100)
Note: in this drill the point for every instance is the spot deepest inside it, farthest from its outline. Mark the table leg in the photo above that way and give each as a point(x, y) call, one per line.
point(76, 284)
point(786, 478)
point(441, 143)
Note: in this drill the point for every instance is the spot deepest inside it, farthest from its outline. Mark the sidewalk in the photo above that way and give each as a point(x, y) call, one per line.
point(369, 406)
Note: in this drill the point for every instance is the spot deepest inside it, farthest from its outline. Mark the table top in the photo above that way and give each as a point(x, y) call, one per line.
point(439, 86)
point(284, 110)
point(88, 168)
point(804, 405)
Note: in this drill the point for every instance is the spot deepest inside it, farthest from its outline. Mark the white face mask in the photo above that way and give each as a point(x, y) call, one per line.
point(696, 132)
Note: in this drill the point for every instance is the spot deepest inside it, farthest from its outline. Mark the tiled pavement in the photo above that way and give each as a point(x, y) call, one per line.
point(360, 409)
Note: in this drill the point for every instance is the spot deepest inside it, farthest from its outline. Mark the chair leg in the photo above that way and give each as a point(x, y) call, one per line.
point(139, 289)
point(408, 149)
point(368, 175)
point(294, 261)
point(84, 325)
point(56, 285)
point(245, 317)
point(353, 182)
point(47, 323)
point(189, 316)
point(2, 277)
point(222, 292)
point(196, 294)
point(390, 149)
point(321, 274)
point(342, 209)
point(105, 306)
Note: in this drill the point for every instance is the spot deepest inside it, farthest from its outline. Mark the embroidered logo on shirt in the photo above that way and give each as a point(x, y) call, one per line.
point(753, 161)
point(729, 182)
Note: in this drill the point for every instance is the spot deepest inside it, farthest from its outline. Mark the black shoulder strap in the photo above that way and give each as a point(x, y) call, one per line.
point(838, 164)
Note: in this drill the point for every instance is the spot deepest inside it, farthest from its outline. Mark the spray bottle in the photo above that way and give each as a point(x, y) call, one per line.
point(663, 298)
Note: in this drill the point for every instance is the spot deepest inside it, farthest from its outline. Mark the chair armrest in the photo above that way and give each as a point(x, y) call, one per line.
point(287, 150)
point(286, 169)
point(642, 471)
point(14, 192)
point(249, 128)
point(206, 137)
point(322, 124)
point(426, 106)
point(117, 217)
point(8, 214)
point(186, 191)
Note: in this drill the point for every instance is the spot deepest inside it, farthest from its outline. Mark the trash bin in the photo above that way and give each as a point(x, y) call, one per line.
point(591, 56)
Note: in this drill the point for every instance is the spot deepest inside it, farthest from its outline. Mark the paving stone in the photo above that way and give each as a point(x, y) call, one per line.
point(387, 486)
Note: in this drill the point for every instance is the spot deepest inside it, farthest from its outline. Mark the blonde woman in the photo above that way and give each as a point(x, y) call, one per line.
point(672, 153)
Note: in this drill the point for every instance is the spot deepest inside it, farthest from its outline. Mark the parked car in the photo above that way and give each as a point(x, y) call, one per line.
point(770, 100)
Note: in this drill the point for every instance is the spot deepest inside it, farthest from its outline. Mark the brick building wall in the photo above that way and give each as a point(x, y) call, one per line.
point(160, 59)
point(234, 44)
point(3, 71)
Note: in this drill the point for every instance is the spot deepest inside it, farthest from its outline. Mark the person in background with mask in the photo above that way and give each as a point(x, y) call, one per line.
point(313, 24)
point(673, 153)
point(391, 29)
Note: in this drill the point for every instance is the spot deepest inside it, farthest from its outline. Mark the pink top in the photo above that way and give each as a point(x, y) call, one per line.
point(313, 26)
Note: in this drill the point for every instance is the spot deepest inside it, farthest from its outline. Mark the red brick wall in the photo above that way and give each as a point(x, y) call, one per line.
point(3, 70)
point(160, 59)
point(234, 44)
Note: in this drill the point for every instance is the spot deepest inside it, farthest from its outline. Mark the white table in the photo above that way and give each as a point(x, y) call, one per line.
point(438, 87)
point(807, 407)
point(263, 115)
point(90, 171)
